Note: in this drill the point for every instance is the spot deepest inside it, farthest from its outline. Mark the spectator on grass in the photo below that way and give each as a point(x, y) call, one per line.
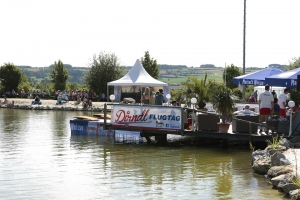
point(36, 100)
point(59, 99)
point(85, 103)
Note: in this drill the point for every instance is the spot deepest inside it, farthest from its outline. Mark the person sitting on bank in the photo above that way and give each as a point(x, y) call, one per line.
point(36, 100)
point(13, 93)
point(85, 103)
point(90, 103)
point(102, 97)
point(59, 99)
point(5, 100)
point(246, 111)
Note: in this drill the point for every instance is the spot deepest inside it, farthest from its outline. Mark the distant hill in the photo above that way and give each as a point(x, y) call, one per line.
point(282, 67)
point(207, 66)
point(172, 74)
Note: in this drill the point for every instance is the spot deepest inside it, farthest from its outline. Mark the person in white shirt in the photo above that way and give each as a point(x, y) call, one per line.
point(266, 105)
point(246, 111)
point(282, 102)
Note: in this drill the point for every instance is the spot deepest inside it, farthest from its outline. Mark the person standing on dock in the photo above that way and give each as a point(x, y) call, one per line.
point(266, 105)
point(159, 98)
point(255, 95)
point(282, 102)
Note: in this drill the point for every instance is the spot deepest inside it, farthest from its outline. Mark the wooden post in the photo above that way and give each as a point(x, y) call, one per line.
point(161, 138)
point(105, 116)
point(182, 123)
point(250, 132)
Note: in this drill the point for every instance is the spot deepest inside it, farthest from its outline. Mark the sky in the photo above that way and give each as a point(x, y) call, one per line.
point(175, 32)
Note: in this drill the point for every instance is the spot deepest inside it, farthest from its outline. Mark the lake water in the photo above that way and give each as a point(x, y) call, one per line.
point(40, 159)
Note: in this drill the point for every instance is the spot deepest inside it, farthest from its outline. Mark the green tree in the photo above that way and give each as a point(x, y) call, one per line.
point(150, 65)
point(213, 86)
point(10, 76)
point(104, 68)
point(295, 63)
point(72, 86)
point(223, 101)
point(176, 95)
point(231, 72)
point(47, 88)
point(194, 87)
point(59, 75)
point(24, 84)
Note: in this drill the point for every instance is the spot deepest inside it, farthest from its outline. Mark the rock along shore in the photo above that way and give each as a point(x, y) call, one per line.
point(18, 103)
point(280, 165)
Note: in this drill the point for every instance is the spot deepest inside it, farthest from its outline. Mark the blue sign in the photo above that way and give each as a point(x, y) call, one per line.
point(128, 136)
point(79, 126)
point(256, 78)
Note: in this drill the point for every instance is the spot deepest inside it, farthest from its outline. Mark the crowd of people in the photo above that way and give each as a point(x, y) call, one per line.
point(149, 96)
point(83, 97)
point(272, 104)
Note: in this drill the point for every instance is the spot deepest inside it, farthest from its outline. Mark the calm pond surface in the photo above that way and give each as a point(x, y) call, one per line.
point(40, 159)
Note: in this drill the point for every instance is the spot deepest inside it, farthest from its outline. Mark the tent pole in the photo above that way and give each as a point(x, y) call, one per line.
point(141, 94)
point(107, 94)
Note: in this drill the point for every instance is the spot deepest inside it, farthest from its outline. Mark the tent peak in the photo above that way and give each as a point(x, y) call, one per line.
point(137, 75)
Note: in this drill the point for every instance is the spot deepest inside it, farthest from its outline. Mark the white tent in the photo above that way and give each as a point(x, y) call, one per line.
point(137, 76)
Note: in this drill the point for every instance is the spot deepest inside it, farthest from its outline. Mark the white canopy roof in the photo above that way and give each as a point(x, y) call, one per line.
point(137, 76)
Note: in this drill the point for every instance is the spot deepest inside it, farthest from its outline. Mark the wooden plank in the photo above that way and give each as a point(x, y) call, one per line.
point(87, 118)
point(101, 116)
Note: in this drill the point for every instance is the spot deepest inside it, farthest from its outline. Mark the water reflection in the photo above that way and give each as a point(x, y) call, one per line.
point(40, 159)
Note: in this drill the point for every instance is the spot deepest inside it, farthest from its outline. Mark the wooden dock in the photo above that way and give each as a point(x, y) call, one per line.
point(214, 135)
point(250, 136)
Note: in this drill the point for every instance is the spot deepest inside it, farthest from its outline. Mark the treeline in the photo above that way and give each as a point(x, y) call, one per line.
point(41, 74)
point(163, 66)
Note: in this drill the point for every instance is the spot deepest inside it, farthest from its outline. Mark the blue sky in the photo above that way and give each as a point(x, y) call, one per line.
point(191, 32)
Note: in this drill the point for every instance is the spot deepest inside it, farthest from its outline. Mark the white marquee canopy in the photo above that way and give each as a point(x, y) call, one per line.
point(137, 76)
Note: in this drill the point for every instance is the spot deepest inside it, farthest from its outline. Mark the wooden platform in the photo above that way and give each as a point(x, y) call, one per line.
point(101, 116)
point(87, 118)
point(254, 137)
point(229, 136)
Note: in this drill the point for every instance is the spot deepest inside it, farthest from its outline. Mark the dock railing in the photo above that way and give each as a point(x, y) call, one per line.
point(231, 118)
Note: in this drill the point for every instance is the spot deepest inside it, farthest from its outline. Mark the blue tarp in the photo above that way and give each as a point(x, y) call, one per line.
point(256, 78)
point(286, 79)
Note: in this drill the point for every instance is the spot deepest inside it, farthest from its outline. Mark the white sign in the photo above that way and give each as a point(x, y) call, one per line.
point(147, 117)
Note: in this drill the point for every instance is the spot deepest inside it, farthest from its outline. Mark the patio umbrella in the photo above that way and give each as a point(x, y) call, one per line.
point(285, 79)
point(256, 78)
